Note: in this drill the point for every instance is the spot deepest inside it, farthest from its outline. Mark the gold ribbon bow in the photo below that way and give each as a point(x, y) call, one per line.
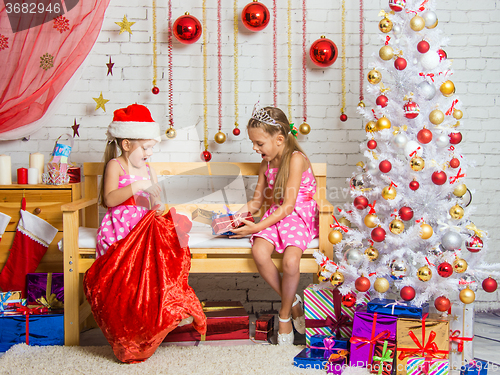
point(51, 303)
point(384, 89)
point(408, 97)
point(480, 233)
point(384, 14)
point(397, 129)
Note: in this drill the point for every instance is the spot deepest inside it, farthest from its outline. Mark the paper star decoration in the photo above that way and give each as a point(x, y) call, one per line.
point(110, 66)
point(100, 101)
point(125, 25)
point(75, 129)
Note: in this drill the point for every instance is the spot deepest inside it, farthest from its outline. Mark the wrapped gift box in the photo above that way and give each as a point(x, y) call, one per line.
point(475, 367)
point(46, 289)
point(413, 334)
point(427, 366)
point(202, 216)
point(398, 308)
point(326, 315)
point(321, 360)
point(8, 300)
point(264, 327)
point(367, 330)
point(321, 342)
point(226, 320)
point(383, 358)
point(461, 319)
point(222, 224)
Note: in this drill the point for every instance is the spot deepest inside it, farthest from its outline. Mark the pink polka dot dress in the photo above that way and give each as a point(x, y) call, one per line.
point(302, 225)
point(119, 220)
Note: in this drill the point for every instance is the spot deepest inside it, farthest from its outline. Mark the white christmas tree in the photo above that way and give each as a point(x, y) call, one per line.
point(409, 218)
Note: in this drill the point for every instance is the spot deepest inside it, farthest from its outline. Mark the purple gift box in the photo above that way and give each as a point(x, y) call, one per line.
point(368, 329)
point(50, 286)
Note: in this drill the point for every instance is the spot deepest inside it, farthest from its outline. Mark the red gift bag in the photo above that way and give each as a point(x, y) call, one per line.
point(139, 289)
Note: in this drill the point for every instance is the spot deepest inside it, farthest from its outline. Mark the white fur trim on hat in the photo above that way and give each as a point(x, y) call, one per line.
point(133, 130)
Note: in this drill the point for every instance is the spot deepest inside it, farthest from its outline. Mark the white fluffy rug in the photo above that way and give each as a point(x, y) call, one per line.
point(217, 360)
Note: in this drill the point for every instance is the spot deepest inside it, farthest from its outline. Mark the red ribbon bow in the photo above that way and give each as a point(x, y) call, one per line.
point(27, 311)
point(421, 8)
point(454, 337)
point(449, 111)
point(453, 179)
point(372, 207)
point(430, 75)
point(344, 228)
point(414, 153)
point(387, 38)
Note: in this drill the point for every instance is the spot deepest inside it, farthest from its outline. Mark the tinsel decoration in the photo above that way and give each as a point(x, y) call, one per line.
point(220, 137)
point(275, 54)
point(171, 133)
point(155, 90)
point(236, 131)
point(304, 127)
point(361, 45)
point(289, 28)
point(205, 154)
point(343, 116)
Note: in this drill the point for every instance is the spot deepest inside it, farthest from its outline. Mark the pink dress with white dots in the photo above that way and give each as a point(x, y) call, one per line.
point(119, 220)
point(302, 225)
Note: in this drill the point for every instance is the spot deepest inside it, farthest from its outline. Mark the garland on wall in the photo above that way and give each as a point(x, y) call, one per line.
point(236, 131)
point(171, 133)
point(361, 45)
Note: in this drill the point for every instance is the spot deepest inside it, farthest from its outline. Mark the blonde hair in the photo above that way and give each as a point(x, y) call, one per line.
point(291, 145)
point(110, 152)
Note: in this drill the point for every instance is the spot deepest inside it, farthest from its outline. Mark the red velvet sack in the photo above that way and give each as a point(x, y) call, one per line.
point(139, 289)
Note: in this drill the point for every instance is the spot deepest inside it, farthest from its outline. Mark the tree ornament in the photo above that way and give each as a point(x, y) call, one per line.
point(382, 101)
point(389, 193)
point(489, 285)
point(321, 278)
point(467, 295)
point(349, 300)
point(335, 236)
point(372, 168)
point(357, 182)
point(451, 240)
point(417, 163)
point(417, 23)
point(400, 63)
point(439, 177)
point(400, 140)
point(362, 284)
point(414, 185)
point(427, 90)
point(125, 25)
point(454, 163)
point(442, 140)
point(337, 279)
point(343, 221)
point(372, 253)
point(155, 90)
point(236, 131)
point(370, 127)
point(255, 16)
point(455, 138)
point(430, 19)
point(386, 53)
point(374, 76)
point(187, 29)
point(445, 269)
point(423, 46)
point(407, 293)
point(460, 190)
point(385, 25)
point(378, 234)
point(457, 114)
point(398, 268)
point(371, 144)
point(466, 199)
point(459, 265)
point(456, 212)
point(424, 273)
point(397, 5)
point(360, 202)
point(396, 226)
point(447, 88)
point(436, 117)
point(396, 29)
point(442, 304)
point(343, 117)
point(304, 128)
point(220, 137)
point(442, 55)
point(424, 136)
point(171, 133)
point(381, 285)
point(383, 123)
point(411, 109)
point(474, 244)
point(323, 52)
point(425, 231)
point(405, 213)
point(206, 156)
point(371, 220)
point(385, 166)
point(353, 256)
point(430, 60)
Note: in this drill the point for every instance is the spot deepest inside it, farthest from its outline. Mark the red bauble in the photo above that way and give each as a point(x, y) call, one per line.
point(382, 101)
point(343, 117)
point(423, 46)
point(442, 304)
point(405, 213)
point(414, 185)
point(362, 284)
point(385, 166)
point(442, 55)
point(445, 269)
point(323, 52)
point(489, 285)
point(407, 293)
point(155, 90)
point(474, 244)
point(400, 63)
point(360, 202)
point(187, 29)
point(411, 109)
point(424, 136)
point(372, 144)
point(206, 156)
point(255, 16)
point(455, 138)
point(454, 163)
point(439, 177)
point(378, 234)
point(349, 300)
point(236, 131)
point(397, 5)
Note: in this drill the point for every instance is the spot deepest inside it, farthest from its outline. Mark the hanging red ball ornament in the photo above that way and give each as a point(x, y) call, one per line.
point(454, 163)
point(187, 29)
point(423, 46)
point(397, 5)
point(349, 300)
point(236, 131)
point(362, 284)
point(378, 234)
point(382, 101)
point(442, 55)
point(411, 109)
point(323, 52)
point(414, 185)
point(155, 90)
point(400, 63)
point(455, 138)
point(442, 304)
point(407, 293)
point(489, 285)
point(255, 16)
point(445, 269)
point(405, 213)
point(343, 117)
point(385, 166)
point(474, 244)
point(372, 144)
point(424, 136)
point(360, 202)
point(206, 156)
point(439, 177)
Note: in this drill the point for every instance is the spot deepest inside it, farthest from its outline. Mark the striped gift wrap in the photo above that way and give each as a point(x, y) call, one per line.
point(418, 366)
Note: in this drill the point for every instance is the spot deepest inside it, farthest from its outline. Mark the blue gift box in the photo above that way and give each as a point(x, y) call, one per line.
point(44, 329)
point(475, 367)
point(397, 308)
point(306, 359)
point(317, 344)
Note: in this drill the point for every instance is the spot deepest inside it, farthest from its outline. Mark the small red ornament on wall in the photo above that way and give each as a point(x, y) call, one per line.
point(206, 156)
point(323, 52)
point(155, 90)
point(236, 131)
point(255, 16)
point(187, 29)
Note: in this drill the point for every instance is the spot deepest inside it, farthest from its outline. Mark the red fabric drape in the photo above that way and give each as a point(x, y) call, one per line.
point(37, 62)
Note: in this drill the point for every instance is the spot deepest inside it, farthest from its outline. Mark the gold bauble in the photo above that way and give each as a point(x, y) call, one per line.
point(370, 126)
point(424, 273)
point(335, 237)
point(220, 137)
point(457, 212)
point(396, 226)
point(383, 123)
point(460, 190)
point(386, 53)
point(447, 88)
point(467, 295)
point(304, 128)
point(381, 285)
point(425, 231)
point(322, 278)
point(417, 23)
point(385, 25)
point(343, 221)
point(434, 25)
point(459, 265)
point(361, 104)
point(374, 76)
point(389, 192)
point(371, 220)
point(337, 279)
point(417, 163)
point(457, 114)
point(436, 117)
point(171, 133)
point(371, 253)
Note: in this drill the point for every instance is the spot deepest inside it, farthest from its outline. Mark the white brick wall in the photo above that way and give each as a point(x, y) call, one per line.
point(473, 30)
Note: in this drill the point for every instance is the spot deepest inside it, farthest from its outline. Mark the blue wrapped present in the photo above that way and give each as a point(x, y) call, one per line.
point(320, 343)
point(397, 308)
point(475, 367)
point(333, 362)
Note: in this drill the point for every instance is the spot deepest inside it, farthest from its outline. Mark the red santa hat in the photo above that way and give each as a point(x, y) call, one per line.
point(133, 122)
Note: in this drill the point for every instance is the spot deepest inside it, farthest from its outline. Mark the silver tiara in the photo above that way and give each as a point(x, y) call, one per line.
point(261, 115)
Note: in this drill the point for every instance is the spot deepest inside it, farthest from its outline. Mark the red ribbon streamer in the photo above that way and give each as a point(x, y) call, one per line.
point(454, 337)
point(430, 75)
point(421, 8)
point(374, 115)
point(429, 263)
point(414, 153)
point(449, 111)
point(344, 228)
point(361, 45)
point(372, 207)
point(453, 179)
point(387, 38)
point(27, 311)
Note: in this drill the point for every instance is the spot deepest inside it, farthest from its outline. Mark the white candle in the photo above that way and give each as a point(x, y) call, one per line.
point(36, 161)
point(32, 176)
point(5, 170)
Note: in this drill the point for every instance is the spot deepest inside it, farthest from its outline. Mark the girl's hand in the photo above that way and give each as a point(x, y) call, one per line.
point(247, 229)
point(154, 191)
point(160, 209)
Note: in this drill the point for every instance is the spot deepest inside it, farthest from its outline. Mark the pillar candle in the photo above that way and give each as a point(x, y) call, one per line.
point(32, 176)
point(22, 176)
point(36, 161)
point(5, 170)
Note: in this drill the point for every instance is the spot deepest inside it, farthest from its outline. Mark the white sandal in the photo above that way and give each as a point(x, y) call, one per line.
point(299, 322)
point(285, 338)
point(185, 321)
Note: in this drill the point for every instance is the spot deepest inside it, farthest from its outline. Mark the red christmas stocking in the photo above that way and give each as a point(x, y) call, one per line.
point(33, 236)
point(4, 221)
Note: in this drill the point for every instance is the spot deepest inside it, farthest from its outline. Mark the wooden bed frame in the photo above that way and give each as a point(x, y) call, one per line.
point(228, 260)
